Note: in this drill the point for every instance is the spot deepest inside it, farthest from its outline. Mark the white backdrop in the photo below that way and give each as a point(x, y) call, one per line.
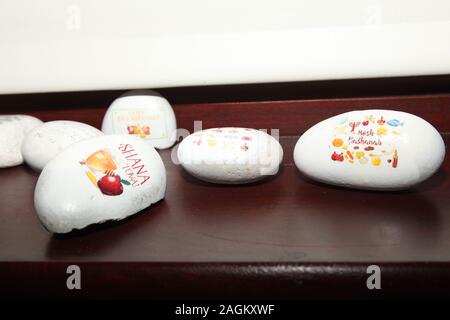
point(59, 45)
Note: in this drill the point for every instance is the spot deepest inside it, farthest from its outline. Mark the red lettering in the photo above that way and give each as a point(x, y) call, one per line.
point(124, 147)
point(145, 178)
point(140, 170)
point(130, 155)
point(134, 170)
point(136, 161)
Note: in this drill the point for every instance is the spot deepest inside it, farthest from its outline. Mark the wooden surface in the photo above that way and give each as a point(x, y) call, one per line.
point(287, 237)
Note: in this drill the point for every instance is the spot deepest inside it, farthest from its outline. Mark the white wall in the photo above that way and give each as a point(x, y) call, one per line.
point(59, 45)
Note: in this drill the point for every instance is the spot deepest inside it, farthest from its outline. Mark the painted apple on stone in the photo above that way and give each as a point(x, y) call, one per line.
point(110, 185)
point(109, 177)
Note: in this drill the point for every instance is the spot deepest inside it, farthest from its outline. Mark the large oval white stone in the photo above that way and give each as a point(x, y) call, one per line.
point(13, 129)
point(370, 149)
point(45, 142)
point(145, 114)
point(104, 178)
point(230, 155)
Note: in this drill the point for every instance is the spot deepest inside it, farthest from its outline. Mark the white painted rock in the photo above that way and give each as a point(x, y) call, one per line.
point(143, 113)
point(13, 129)
point(45, 142)
point(109, 177)
point(230, 155)
point(370, 149)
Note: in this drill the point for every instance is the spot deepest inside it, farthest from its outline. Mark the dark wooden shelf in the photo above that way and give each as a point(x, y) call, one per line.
point(287, 237)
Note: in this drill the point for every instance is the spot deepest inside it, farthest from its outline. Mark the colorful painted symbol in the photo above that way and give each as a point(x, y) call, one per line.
point(110, 185)
point(142, 131)
point(337, 142)
point(343, 120)
point(349, 154)
point(371, 119)
point(337, 156)
point(395, 159)
point(101, 162)
point(381, 121)
point(244, 147)
point(394, 123)
point(366, 143)
point(359, 154)
point(382, 131)
point(376, 161)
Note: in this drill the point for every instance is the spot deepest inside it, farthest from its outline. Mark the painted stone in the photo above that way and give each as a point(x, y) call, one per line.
point(145, 114)
point(13, 129)
point(230, 155)
point(109, 177)
point(45, 142)
point(370, 149)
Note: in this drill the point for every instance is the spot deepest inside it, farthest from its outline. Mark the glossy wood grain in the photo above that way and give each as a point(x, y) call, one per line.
point(286, 218)
point(287, 221)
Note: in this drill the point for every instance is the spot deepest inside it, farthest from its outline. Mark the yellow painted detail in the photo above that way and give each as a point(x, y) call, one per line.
point(92, 178)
